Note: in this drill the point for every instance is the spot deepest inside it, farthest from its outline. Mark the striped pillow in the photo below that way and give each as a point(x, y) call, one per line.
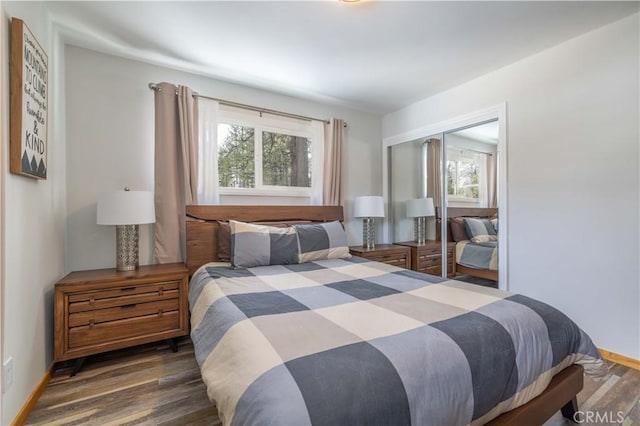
point(322, 241)
point(259, 245)
point(480, 230)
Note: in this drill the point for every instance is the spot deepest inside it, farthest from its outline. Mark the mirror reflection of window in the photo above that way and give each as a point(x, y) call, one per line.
point(471, 166)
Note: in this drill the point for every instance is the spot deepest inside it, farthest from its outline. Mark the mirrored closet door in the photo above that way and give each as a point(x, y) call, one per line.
point(451, 175)
point(470, 187)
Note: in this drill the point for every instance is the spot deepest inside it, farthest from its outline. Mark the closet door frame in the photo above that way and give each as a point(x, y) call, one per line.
point(498, 112)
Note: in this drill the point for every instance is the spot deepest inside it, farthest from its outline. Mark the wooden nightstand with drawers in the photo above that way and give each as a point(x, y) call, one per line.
point(391, 254)
point(102, 310)
point(427, 257)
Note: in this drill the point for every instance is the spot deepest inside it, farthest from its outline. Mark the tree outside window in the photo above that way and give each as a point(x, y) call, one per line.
point(285, 158)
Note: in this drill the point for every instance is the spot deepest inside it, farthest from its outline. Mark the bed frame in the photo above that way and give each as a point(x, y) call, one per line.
point(202, 234)
point(468, 212)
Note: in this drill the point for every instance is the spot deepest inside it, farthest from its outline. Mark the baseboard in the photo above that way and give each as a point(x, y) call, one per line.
point(22, 415)
point(620, 359)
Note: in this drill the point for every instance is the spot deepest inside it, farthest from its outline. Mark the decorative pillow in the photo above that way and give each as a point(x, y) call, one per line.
point(458, 230)
point(322, 241)
point(259, 245)
point(494, 222)
point(224, 236)
point(480, 230)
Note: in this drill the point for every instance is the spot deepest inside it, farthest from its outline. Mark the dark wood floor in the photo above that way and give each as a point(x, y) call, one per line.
point(152, 385)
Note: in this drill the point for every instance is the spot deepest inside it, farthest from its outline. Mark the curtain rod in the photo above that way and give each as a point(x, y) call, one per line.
point(472, 150)
point(261, 110)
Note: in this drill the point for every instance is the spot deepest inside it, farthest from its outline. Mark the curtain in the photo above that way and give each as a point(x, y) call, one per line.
point(492, 180)
point(176, 169)
point(332, 190)
point(434, 169)
point(208, 192)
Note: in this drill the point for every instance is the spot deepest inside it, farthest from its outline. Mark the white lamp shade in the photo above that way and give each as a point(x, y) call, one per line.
point(368, 206)
point(126, 208)
point(420, 207)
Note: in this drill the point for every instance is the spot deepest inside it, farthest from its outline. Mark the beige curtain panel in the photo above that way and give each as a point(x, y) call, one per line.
point(492, 180)
point(176, 168)
point(332, 190)
point(434, 168)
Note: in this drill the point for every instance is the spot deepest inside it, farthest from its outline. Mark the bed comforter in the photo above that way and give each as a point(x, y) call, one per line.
point(477, 255)
point(350, 341)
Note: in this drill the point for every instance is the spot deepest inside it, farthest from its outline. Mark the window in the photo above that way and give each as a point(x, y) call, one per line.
point(264, 156)
point(464, 175)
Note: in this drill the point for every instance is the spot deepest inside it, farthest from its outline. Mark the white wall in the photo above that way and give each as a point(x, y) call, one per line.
point(33, 229)
point(572, 173)
point(110, 143)
point(406, 184)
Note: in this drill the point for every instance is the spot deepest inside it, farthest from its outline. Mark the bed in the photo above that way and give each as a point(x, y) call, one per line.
point(347, 340)
point(477, 259)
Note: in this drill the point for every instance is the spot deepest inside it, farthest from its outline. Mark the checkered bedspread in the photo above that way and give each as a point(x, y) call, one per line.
point(477, 255)
point(349, 341)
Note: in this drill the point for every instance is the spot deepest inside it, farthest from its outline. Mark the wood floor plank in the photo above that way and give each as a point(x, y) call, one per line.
point(633, 417)
point(151, 385)
point(624, 396)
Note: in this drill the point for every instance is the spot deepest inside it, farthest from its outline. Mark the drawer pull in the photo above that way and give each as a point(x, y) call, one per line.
point(127, 288)
point(160, 291)
point(129, 306)
point(91, 323)
point(160, 312)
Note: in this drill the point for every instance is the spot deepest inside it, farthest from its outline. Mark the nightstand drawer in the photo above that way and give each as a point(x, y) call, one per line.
point(123, 329)
point(429, 261)
point(432, 270)
point(125, 290)
point(394, 260)
point(121, 312)
point(111, 302)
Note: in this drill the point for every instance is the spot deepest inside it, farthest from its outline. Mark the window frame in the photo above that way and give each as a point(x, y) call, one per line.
point(275, 124)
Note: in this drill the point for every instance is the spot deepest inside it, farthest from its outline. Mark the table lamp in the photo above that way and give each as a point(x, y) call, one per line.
point(126, 209)
point(368, 208)
point(420, 209)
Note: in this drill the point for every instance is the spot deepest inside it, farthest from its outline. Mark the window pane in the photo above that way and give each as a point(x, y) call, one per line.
point(286, 160)
point(236, 156)
point(451, 177)
point(468, 179)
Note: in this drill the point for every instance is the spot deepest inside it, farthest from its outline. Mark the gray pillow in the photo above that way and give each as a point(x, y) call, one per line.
point(480, 230)
point(259, 245)
point(322, 241)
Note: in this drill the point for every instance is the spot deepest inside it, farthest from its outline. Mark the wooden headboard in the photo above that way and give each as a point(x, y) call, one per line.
point(462, 212)
point(202, 224)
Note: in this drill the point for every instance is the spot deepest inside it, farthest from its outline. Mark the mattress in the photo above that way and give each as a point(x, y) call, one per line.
point(351, 341)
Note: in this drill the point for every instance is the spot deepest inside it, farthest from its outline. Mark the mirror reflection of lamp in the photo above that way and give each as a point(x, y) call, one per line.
point(368, 208)
point(126, 209)
point(420, 209)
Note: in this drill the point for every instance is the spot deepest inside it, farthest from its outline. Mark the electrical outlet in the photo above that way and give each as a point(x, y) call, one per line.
point(7, 375)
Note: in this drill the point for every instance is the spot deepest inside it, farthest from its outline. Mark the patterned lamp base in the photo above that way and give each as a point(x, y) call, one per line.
point(369, 232)
point(127, 247)
point(420, 227)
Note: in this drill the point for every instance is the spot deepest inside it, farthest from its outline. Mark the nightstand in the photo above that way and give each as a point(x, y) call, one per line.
point(427, 257)
point(391, 254)
point(102, 310)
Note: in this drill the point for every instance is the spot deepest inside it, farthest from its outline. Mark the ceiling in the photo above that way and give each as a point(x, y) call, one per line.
point(486, 133)
point(375, 56)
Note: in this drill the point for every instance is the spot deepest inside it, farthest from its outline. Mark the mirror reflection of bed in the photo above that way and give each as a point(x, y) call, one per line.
point(476, 258)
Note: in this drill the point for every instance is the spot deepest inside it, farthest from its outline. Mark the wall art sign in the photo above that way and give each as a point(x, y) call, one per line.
point(29, 68)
